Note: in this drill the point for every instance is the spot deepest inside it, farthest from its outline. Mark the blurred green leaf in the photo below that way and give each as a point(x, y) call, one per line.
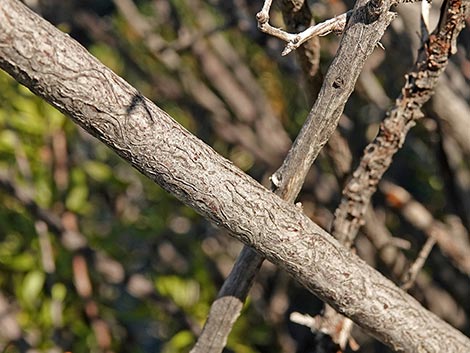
point(97, 170)
point(184, 292)
point(77, 199)
point(59, 291)
point(7, 141)
point(180, 341)
point(32, 285)
point(20, 262)
point(43, 190)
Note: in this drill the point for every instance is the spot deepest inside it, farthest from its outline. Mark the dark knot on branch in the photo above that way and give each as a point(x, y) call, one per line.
point(373, 9)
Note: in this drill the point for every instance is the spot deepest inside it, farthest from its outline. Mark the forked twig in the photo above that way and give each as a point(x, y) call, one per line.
point(294, 41)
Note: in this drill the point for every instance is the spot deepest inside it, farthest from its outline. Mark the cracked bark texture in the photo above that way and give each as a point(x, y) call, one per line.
point(61, 71)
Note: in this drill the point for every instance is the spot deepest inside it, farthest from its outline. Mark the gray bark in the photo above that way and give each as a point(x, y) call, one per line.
point(61, 71)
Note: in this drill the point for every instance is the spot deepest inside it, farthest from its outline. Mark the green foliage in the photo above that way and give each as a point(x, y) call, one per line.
point(180, 342)
point(31, 288)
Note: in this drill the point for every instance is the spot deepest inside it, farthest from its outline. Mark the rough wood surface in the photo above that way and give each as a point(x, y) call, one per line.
point(57, 68)
point(363, 32)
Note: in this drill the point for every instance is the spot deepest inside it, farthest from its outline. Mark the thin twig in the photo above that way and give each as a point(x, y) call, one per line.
point(295, 40)
point(410, 275)
point(335, 25)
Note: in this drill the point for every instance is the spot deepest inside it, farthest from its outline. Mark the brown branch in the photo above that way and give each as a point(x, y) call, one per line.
point(144, 135)
point(420, 82)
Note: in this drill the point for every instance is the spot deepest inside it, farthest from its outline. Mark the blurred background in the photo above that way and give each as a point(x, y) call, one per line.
point(96, 258)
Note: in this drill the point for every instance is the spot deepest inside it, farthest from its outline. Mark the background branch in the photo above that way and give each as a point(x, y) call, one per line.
point(420, 82)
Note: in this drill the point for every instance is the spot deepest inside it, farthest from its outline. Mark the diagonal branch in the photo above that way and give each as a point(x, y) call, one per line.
point(419, 87)
point(145, 136)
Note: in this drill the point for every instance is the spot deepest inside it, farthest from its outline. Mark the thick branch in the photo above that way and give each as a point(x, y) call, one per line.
point(57, 68)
